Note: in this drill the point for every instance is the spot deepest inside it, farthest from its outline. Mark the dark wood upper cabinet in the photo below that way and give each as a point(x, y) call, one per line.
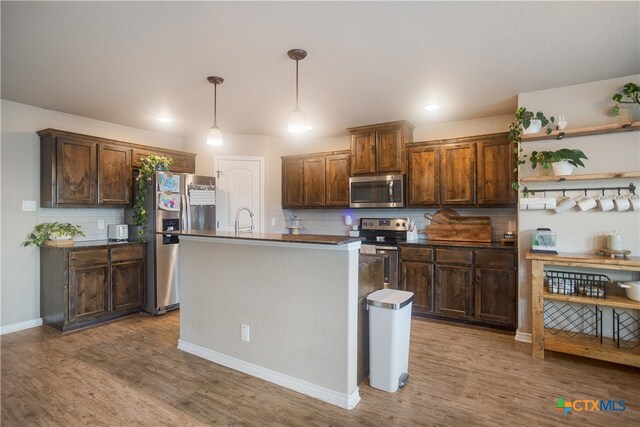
point(458, 174)
point(182, 162)
point(75, 172)
point(424, 176)
point(470, 171)
point(496, 173)
point(379, 148)
point(337, 179)
point(292, 182)
point(87, 171)
point(316, 180)
point(114, 175)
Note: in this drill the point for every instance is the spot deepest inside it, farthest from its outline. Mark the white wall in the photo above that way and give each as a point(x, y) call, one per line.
point(20, 180)
point(580, 232)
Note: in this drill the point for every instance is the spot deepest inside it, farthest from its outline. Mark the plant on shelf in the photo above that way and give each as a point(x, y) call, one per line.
point(517, 128)
point(631, 94)
point(150, 165)
point(53, 231)
point(562, 161)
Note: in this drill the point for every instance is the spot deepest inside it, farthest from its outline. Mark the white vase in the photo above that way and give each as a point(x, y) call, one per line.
point(534, 127)
point(562, 168)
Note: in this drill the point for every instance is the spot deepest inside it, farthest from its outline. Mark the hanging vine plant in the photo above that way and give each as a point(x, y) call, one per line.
point(523, 119)
point(150, 165)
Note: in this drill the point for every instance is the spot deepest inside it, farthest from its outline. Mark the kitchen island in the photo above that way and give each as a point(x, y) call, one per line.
point(279, 307)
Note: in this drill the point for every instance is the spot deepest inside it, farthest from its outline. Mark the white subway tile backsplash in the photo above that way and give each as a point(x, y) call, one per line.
point(87, 219)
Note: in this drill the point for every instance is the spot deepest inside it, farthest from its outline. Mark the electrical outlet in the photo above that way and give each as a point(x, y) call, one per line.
point(28, 205)
point(244, 333)
point(512, 226)
point(101, 224)
point(273, 222)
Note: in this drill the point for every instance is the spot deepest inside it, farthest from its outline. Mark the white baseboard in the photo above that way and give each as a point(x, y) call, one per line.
point(343, 400)
point(20, 326)
point(523, 337)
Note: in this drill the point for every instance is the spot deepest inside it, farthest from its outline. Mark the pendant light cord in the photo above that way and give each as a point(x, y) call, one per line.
point(296, 84)
point(215, 97)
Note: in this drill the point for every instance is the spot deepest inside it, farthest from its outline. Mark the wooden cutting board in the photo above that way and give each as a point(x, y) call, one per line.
point(459, 232)
point(449, 216)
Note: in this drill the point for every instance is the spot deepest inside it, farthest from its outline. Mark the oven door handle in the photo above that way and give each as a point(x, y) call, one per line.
point(387, 248)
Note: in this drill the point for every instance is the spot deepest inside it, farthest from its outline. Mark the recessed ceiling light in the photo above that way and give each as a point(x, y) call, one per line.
point(432, 106)
point(164, 119)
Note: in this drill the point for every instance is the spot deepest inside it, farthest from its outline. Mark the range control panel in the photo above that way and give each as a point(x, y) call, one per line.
point(390, 224)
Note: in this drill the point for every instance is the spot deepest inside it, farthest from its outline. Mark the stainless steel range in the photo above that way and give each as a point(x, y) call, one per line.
point(382, 236)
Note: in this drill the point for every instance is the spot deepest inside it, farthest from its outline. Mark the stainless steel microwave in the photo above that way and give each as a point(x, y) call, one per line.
point(380, 191)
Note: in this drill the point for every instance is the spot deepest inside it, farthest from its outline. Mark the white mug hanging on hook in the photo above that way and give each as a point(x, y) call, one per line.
point(564, 203)
point(634, 202)
point(605, 202)
point(586, 202)
point(621, 203)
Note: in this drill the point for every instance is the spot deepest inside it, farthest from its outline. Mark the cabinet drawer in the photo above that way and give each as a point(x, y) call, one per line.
point(454, 256)
point(416, 254)
point(90, 257)
point(495, 259)
point(127, 253)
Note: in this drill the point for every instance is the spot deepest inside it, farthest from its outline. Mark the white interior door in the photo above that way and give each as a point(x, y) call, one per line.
point(240, 182)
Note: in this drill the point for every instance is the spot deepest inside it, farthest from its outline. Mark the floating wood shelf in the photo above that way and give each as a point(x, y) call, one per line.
point(581, 177)
point(592, 130)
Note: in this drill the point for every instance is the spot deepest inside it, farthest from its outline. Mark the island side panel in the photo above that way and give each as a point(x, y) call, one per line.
point(300, 301)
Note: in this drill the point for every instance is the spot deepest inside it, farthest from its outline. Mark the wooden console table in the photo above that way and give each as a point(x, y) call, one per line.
point(542, 339)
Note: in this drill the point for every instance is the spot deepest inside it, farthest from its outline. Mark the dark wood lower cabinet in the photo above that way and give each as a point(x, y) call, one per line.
point(81, 286)
point(495, 295)
point(470, 285)
point(453, 284)
point(417, 277)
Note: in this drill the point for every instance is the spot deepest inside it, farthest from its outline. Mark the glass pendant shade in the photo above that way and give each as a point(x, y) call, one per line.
point(297, 122)
point(214, 137)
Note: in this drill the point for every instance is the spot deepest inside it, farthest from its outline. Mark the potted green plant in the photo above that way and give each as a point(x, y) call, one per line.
point(562, 161)
point(150, 165)
point(49, 232)
point(517, 128)
point(630, 94)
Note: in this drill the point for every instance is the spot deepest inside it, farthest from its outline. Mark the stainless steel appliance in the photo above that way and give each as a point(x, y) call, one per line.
point(381, 191)
point(382, 236)
point(118, 232)
point(173, 202)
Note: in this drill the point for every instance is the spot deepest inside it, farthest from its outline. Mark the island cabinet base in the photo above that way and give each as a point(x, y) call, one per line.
point(299, 302)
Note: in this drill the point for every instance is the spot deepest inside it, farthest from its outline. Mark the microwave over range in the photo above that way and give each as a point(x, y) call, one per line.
point(379, 191)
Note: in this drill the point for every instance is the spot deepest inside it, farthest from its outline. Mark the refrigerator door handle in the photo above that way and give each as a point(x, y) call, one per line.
point(186, 214)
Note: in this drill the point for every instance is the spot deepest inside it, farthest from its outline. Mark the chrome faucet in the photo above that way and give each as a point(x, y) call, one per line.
point(237, 225)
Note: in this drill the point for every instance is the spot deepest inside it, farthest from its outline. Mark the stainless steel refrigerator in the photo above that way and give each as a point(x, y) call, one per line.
point(174, 202)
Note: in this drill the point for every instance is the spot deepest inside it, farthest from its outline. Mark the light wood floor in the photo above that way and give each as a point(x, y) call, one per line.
point(130, 372)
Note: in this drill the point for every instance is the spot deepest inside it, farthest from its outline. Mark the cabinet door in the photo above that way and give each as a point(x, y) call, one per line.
point(424, 176)
point(337, 179)
point(182, 162)
point(76, 172)
point(292, 183)
point(88, 293)
point(114, 175)
point(496, 164)
point(417, 277)
point(127, 285)
point(363, 153)
point(453, 284)
point(389, 150)
point(495, 295)
point(314, 181)
point(457, 179)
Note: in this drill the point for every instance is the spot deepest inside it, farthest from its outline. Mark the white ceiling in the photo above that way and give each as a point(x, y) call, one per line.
point(368, 62)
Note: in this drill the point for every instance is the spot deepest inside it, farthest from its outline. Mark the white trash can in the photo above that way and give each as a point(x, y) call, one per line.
point(389, 329)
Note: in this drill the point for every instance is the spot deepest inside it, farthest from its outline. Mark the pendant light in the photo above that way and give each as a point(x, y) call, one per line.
point(215, 136)
point(297, 121)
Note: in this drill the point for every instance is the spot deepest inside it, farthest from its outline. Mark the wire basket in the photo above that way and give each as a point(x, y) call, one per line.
point(580, 284)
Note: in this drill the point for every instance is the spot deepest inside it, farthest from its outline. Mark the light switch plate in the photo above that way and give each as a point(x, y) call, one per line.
point(244, 333)
point(512, 226)
point(101, 224)
point(29, 205)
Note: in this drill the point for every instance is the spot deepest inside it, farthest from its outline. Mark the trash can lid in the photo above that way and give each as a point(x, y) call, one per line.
point(389, 298)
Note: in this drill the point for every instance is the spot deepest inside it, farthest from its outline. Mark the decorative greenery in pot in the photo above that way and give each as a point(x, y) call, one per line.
point(53, 231)
point(150, 164)
point(631, 92)
point(572, 157)
point(523, 118)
